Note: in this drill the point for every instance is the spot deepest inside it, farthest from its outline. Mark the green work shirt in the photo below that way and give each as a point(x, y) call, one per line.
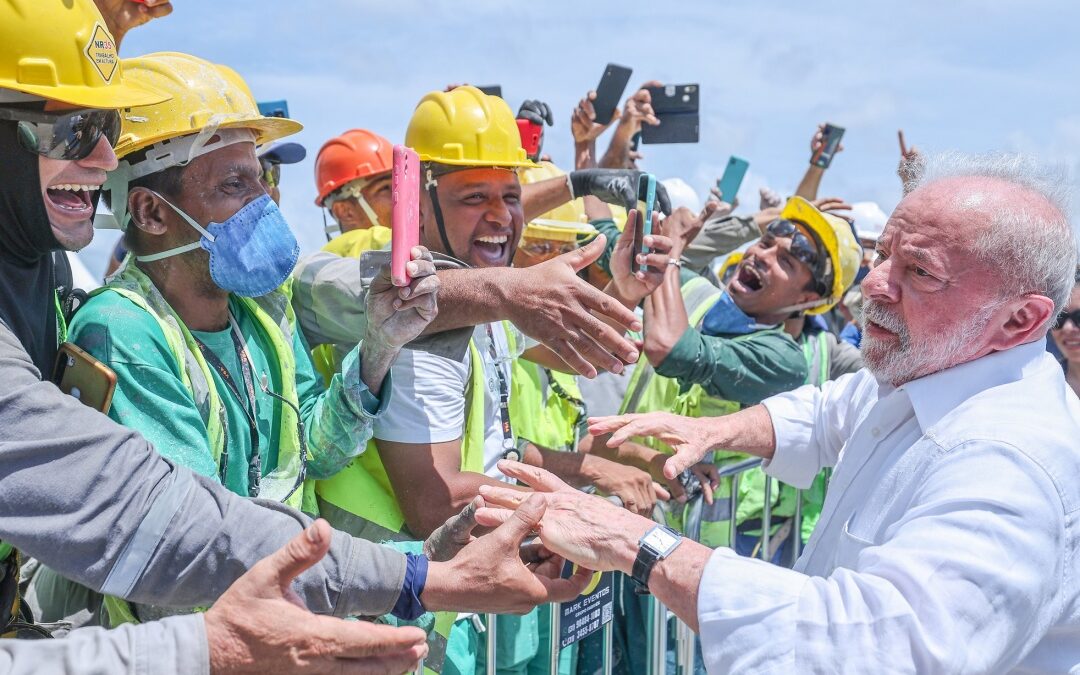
point(151, 397)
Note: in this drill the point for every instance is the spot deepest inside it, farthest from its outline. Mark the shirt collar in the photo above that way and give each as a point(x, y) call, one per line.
point(934, 396)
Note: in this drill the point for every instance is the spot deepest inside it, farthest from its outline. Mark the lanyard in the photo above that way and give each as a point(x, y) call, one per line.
point(255, 462)
point(61, 321)
point(510, 450)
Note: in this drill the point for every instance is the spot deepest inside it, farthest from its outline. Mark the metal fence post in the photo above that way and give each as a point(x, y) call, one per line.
point(766, 520)
point(657, 646)
point(555, 639)
point(609, 647)
point(796, 538)
point(490, 630)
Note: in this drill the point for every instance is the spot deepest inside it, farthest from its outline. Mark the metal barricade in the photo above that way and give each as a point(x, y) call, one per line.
point(685, 639)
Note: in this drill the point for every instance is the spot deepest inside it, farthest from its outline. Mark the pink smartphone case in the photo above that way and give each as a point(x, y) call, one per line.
point(405, 217)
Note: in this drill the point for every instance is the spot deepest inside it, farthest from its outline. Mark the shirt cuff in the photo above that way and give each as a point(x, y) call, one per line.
point(372, 406)
point(408, 606)
point(793, 434)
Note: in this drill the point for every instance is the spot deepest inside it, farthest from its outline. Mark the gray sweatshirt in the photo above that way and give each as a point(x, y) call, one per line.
point(92, 500)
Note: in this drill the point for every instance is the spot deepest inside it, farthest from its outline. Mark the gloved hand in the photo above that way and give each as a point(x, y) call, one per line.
point(536, 112)
point(615, 186)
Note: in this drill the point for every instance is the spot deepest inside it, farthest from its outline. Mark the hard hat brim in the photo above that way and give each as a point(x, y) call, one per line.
point(112, 97)
point(479, 164)
point(267, 129)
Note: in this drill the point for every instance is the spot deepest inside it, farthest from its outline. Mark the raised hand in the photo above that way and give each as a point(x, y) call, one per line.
point(583, 120)
point(632, 287)
point(689, 437)
point(123, 15)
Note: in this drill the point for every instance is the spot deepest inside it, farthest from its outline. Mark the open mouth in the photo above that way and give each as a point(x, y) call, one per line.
point(72, 198)
point(493, 248)
point(749, 279)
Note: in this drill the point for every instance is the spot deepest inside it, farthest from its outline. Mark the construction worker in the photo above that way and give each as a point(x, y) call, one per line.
point(209, 366)
point(450, 421)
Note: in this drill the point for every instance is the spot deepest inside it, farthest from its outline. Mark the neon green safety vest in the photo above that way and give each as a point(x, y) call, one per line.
point(650, 392)
point(273, 312)
point(360, 500)
point(546, 406)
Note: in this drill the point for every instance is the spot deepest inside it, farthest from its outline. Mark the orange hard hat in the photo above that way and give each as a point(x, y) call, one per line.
point(357, 153)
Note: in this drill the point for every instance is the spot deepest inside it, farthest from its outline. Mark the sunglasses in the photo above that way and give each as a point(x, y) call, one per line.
point(1073, 316)
point(70, 135)
point(271, 172)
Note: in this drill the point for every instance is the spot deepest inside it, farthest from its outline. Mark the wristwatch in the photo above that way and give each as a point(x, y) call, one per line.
point(657, 544)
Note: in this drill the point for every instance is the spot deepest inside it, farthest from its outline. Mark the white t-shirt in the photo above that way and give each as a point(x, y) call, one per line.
point(428, 400)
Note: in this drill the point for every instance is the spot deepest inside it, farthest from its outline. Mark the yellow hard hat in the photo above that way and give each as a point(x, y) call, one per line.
point(557, 230)
point(572, 211)
point(466, 127)
point(62, 51)
point(836, 235)
point(204, 96)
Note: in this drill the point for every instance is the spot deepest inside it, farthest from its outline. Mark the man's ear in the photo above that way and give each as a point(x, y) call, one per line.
point(148, 211)
point(1022, 320)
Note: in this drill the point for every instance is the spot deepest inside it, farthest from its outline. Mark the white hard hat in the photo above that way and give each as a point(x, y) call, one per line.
point(682, 194)
point(869, 220)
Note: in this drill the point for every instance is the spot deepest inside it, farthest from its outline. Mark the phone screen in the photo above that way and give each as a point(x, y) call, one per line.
point(732, 179)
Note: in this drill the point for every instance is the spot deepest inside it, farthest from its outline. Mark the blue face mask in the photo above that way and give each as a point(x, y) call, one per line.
point(251, 253)
point(725, 318)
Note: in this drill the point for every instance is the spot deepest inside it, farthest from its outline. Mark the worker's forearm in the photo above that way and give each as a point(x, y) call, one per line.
point(808, 187)
point(470, 298)
point(585, 155)
point(629, 453)
point(569, 466)
point(176, 644)
point(375, 364)
point(665, 319)
point(539, 198)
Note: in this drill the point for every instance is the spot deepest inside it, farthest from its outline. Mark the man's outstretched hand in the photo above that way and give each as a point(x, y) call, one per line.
point(259, 625)
point(550, 303)
point(689, 437)
point(489, 575)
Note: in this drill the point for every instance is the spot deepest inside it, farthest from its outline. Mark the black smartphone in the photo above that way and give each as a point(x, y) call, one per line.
point(610, 90)
point(831, 136)
point(491, 89)
point(676, 106)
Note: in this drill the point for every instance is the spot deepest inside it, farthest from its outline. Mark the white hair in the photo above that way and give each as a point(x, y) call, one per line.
point(1034, 253)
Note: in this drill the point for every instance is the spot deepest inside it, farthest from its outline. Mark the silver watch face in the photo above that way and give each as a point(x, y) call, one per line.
point(659, 540)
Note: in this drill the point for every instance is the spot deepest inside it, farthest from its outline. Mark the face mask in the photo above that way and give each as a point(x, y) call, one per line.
point(725, 318)
point(251, 253)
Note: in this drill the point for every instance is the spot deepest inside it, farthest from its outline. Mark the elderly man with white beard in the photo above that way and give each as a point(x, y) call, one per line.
point(950, 535)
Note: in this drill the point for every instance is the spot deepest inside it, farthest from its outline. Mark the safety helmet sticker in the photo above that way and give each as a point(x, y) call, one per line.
point(101, 51)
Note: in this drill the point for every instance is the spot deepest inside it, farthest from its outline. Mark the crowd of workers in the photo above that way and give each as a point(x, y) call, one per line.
point(922, 439)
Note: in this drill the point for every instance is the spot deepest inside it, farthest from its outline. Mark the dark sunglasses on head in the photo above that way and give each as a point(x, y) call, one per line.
point(271, 172)
point(1073, 316)
point(69, 134)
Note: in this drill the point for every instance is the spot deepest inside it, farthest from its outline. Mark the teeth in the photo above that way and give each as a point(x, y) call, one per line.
point(494, 240)
point(75, 187)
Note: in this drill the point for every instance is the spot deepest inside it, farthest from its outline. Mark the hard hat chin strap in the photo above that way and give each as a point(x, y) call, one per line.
point(430, 185)
point(803, 306)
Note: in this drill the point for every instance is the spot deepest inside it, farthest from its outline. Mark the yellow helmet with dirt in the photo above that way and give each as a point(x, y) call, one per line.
point(570, 212)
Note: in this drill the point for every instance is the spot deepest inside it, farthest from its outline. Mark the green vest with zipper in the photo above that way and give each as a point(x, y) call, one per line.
point(273, 313)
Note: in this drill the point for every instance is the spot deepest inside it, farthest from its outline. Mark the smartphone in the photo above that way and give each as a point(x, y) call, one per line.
point(531, 136)
point(273, 108)
point(405, 214)
point(610, 90)
point(84, 377)
point(830, 141)
point(676, 106)
point(647, 193)
point(733, 176)
point(491, 89)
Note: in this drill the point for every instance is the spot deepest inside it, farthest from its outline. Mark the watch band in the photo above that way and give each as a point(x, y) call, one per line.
point(643, 565)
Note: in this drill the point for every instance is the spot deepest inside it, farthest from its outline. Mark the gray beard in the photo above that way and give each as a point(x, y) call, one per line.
point(910, 361)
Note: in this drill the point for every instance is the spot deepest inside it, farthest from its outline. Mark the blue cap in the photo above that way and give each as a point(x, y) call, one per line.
point(282, 153)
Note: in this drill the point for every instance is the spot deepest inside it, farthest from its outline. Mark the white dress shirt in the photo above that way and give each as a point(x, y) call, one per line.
point(949, 537)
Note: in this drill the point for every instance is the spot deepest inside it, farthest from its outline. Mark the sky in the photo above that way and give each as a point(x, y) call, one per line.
point(953, 74)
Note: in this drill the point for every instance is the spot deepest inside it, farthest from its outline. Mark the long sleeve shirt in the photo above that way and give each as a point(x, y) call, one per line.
point(949, 536)
point(92, 500)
